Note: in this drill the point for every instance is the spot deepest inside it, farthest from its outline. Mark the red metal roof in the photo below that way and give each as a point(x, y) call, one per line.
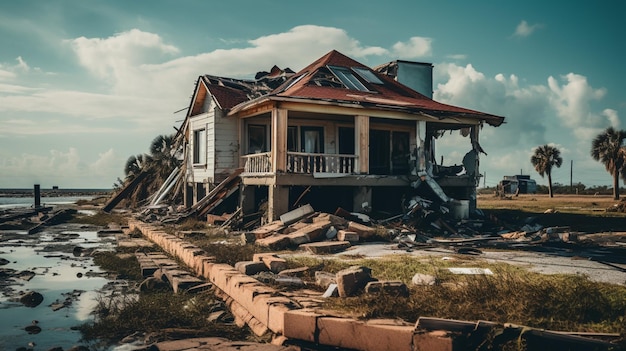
point(317, 82)
point(390, 93)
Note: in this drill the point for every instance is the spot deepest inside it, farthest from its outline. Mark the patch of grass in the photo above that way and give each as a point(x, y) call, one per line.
point(229, 253)
point(100, 219)
point(126, 267)
point(165, 315)
point(511, 295)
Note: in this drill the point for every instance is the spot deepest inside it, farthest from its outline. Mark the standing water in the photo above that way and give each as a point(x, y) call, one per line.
point(51, 263)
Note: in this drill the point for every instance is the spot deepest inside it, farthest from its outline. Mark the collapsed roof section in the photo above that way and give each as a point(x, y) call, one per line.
point(333, 78)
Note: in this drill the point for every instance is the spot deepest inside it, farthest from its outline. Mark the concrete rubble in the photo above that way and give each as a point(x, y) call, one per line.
point(262, 296)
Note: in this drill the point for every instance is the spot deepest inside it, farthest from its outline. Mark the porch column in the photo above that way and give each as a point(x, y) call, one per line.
point(362, 194)
point(247, 199)
point(362, 143)
point(420, 139)
point(279, 140)
point(278, 202)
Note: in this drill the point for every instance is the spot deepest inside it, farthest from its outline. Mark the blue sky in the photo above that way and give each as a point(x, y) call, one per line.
point(85, 84)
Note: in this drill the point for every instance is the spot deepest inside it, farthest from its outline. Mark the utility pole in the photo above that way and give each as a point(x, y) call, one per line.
point(571, 174)
point(485, 180)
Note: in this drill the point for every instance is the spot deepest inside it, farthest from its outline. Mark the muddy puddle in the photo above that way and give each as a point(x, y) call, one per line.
point(54, 264)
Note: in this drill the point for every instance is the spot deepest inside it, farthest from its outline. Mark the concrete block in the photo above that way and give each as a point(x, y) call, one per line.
point(275, 264)
point(386, 335)
point(300, 324)
point(268, 229)
point(388, 287)
point(251, 267)
point(362, 230)
point(345, 235)
point(352, 280)
point(295, 215)
point(247, 238)
point(383, 335)
point(274, 242)
point(298, 237)
point(438, 340)
point(277, 310)
point(324, 279)
point(339, 332)
point(326, 247)
point(294, 272)
point(182, 283)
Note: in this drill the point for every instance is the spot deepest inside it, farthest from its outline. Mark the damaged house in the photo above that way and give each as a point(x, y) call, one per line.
point(335, 134)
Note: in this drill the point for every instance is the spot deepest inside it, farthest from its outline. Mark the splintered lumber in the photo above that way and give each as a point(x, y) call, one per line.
point(224, 189)
point(125, 192)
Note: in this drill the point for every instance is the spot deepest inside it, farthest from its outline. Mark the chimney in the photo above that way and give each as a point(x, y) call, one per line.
point(415, 75)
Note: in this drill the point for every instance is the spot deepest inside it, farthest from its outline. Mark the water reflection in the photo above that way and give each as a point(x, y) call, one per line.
point(68, 284)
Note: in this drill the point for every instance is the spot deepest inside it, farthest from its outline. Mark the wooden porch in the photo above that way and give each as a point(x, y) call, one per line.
point(302, 163)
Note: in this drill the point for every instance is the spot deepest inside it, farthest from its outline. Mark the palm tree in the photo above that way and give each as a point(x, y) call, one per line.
point(544, 158)
point(607, 147)
point(154, 167)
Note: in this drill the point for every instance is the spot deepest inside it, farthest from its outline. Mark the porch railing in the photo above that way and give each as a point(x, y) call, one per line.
point(301, 162)
point(258, 163)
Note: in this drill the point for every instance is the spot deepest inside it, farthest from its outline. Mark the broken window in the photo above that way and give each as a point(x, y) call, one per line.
point(199, 146)
point(347, 77)
point(257, 139)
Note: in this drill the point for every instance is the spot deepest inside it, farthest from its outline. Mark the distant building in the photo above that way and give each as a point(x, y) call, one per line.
point(511, 184)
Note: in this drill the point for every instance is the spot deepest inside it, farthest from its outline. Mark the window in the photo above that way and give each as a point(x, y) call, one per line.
point(368, 75)
point(312, 140)
point(199, 146)
point(347, 77)
point(257, 140)
point(292, 139)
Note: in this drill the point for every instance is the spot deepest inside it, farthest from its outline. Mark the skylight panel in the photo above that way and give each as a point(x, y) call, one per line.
point(347, 77)
point(368, 75)
point(296, 80)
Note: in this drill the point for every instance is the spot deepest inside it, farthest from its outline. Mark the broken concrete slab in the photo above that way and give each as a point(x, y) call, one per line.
point(297, 214)
point(326, 247)
point(471, 271)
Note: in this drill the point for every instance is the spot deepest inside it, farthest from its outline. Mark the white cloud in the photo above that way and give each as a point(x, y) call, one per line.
point(414, 48)
point(111, 57)
point(457, 57)
point(523, 29)
point(572, 102)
